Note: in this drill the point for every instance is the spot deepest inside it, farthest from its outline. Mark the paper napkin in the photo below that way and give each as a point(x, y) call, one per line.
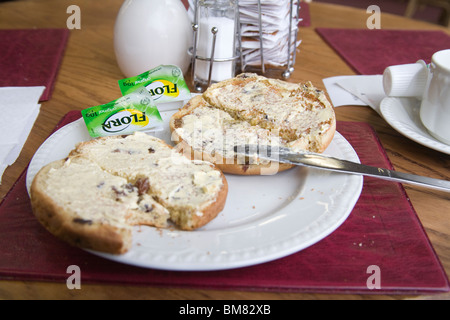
point(338, 95)
point(19, 109)
point(275, 31)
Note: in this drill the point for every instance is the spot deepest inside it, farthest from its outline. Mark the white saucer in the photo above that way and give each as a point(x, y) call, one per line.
point(403, 114)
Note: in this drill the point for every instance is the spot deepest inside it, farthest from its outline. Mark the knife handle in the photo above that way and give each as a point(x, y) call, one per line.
point(323, 162)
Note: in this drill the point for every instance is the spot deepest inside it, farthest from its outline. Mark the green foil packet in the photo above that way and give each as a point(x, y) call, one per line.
point(133, 112)
point(165, 84)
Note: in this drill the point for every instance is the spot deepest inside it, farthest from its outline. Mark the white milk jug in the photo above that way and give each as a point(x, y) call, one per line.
point(149, 33)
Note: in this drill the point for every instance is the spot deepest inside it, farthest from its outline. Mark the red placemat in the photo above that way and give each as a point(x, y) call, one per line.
point(372, 51)
point(383, 230)
point(31, 57)
point(304, 15)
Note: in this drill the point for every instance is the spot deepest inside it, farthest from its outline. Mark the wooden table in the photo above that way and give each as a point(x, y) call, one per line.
point(88, 77)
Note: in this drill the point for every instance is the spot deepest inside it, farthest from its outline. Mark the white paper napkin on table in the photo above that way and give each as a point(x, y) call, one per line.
point(19, 108)
point(275, 37)
point(356, 90)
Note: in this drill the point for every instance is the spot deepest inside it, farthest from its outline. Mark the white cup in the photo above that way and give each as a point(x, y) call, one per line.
point(435, 108)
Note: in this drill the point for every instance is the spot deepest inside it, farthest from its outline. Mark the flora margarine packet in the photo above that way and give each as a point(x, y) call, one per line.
point(165, 83)
point(133, 112)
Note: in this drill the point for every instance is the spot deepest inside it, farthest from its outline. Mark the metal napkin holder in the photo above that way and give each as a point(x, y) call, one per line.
point(291, 56)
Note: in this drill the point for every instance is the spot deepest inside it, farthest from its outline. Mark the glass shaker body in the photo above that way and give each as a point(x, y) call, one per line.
point(217, 22)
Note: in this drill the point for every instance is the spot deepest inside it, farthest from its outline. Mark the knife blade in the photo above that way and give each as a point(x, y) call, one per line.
point(320, 161)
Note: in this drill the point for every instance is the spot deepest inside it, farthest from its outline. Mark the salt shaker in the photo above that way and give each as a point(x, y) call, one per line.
point(215, 26)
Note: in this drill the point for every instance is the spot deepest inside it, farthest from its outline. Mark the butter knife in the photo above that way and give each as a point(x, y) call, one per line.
point(315, 160)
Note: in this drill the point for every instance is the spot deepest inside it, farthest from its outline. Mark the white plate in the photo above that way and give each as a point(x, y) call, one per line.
point(265, 217)
point(403, 114)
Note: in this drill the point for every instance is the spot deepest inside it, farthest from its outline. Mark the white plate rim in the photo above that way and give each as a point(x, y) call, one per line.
point(212, 258)
point(411, 127)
